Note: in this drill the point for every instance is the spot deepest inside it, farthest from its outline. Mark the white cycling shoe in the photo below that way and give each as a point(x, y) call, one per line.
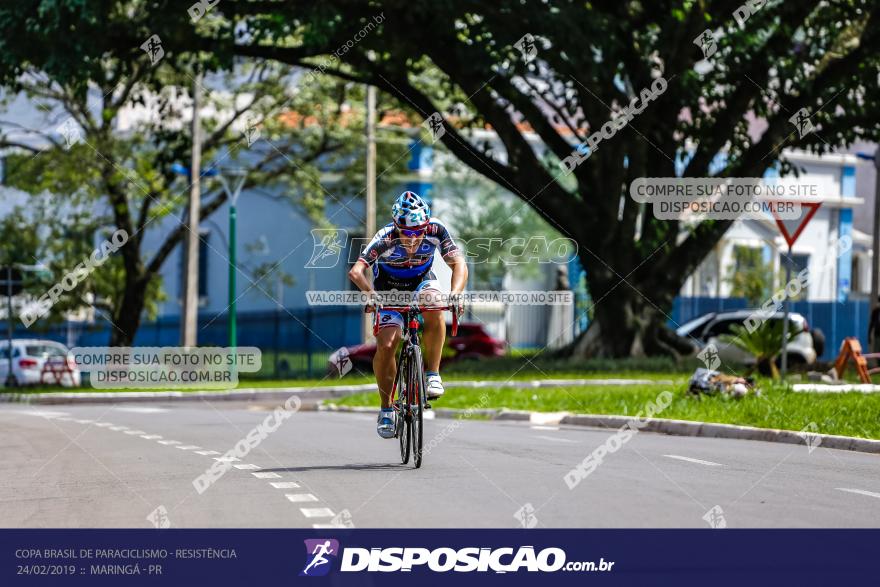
point(435, 387)
point(385, 425)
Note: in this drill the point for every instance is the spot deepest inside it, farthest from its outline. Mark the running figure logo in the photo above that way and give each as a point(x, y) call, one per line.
point(328, 245)
point(319, 554)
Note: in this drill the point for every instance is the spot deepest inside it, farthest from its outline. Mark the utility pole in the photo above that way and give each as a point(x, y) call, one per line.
point(370, 221)
point(189, 317)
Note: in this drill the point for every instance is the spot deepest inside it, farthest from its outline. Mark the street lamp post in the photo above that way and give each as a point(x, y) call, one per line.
point(232, 196)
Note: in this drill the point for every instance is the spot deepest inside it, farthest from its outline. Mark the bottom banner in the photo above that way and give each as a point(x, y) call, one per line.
point(436, 557)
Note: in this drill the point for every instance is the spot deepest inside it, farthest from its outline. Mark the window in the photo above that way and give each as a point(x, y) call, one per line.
point(721, 327)
point(42, 350)
point(4, 352)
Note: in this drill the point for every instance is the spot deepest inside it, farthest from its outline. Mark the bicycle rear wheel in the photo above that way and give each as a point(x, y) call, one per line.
point(403, 427)
point(418, 399)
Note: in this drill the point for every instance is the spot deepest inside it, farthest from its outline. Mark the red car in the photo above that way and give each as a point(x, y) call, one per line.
point(471, 342)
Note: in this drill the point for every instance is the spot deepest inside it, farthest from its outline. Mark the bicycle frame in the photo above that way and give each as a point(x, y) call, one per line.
point(411, 332)
point(410, 409)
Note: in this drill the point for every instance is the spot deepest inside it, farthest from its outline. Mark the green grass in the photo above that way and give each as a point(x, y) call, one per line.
point(848, 414)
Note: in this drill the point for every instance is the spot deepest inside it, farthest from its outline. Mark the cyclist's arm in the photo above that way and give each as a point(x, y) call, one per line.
point(358, 275)
point(459, 273)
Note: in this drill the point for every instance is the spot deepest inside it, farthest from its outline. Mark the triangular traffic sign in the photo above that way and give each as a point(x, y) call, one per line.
point(791, 233)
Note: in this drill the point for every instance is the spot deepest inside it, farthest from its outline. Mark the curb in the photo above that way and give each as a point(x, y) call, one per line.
point(281, 393)
point(659, 425)
point(835, 387)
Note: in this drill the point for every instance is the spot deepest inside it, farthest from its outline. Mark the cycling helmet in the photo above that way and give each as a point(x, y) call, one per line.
point(410, 211)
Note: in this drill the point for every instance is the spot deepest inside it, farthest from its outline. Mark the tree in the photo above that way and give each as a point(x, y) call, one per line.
point(580, 66)
point(479, 211)
point(749, 276)
point(112, 134)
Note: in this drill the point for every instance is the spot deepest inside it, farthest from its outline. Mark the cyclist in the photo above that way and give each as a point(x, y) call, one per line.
point(399, 257)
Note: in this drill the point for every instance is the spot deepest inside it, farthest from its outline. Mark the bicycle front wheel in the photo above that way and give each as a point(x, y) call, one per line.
point(418, 399)
point(403, 417)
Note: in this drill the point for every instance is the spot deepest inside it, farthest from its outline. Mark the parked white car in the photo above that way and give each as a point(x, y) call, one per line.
point(803, 349)
point(34, 360)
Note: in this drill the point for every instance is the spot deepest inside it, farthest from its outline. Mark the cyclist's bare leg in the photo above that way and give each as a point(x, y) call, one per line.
point(384, 362)
point(435, 335)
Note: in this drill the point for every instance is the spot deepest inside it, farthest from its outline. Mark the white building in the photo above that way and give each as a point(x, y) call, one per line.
point(833, 277)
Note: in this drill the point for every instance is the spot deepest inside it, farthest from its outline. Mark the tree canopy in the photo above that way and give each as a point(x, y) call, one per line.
point(735, 74)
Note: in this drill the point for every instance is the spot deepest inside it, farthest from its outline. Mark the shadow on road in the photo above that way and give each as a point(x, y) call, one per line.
point(351, 467)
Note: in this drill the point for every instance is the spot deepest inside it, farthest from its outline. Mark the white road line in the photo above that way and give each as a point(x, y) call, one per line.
point(133, 432)
point(118, 428)
point(44, 414)
point(284, 485)
point(226, 459)
point(544, 427)
point(104, 424)
point(690, 460)
point(317, 512)
point(207, 452)
point(299, 497)
point(170, 442)
point(187, 446)
point(64, 419)
point(246, 467)
point(553, 439)
point(144, 410)
point(859, 491)
point(151, 436)
point(84, 421)
point(266, 475)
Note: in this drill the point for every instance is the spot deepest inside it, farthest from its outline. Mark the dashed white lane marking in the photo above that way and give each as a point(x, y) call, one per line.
point(554, 439)
point(317, 512)
point(544, 427)
point(299, 497)
point(690, 460)
point(859, 491)
point(284, 484)
point(44, 414)
point(143, 410)
point(321, 512)
point(64, 419)
point(266, 475)
point(318, 526)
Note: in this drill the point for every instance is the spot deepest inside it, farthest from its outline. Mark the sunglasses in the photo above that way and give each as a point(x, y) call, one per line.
point(417, 232)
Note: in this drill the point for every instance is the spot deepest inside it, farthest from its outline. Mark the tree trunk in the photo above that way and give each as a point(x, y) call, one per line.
point(627, 323)
point(127, 318)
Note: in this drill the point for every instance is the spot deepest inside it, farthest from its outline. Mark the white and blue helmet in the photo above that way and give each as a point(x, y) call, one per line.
point(410, 211)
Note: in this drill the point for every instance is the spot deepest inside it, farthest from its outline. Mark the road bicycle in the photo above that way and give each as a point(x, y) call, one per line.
point(408, 396)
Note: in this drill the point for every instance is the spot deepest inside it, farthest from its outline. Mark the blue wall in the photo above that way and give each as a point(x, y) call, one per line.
point(836, 319)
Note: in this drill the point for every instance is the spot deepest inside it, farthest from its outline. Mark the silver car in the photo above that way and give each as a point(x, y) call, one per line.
point(36, 361)
point(803, 349)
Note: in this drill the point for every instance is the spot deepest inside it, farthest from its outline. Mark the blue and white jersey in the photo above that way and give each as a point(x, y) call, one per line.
point(389, 259)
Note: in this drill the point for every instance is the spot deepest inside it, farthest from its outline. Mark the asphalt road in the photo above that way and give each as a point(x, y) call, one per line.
point(112, 466)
